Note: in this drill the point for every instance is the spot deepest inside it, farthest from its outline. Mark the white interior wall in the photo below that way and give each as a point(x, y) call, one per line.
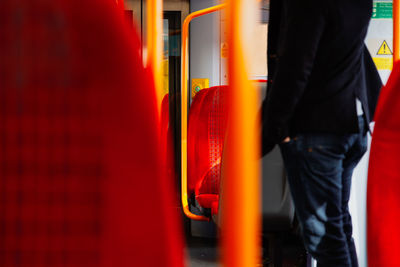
point(204, 44)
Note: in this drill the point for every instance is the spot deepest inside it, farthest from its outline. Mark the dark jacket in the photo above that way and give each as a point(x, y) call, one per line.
point(318, 65)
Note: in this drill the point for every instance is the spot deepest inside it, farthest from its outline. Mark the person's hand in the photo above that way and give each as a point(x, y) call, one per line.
point(286, 140)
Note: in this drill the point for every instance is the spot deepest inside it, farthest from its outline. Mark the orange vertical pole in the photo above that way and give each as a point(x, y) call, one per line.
point(241, 186)
point(154, 17)
point(396, 30)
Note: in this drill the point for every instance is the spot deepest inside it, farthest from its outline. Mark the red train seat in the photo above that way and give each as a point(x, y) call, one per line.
point(80, 178)
point(196, 162)
point(165, 133)
point(383, 193)
point(164, 116)
point(167, 145)
point(206, 134)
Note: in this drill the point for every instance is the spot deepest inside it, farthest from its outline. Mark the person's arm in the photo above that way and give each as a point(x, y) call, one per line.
point(305, 28)
point(373, 82)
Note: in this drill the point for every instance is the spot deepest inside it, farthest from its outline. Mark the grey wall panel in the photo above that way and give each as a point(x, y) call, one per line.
point(204, 44)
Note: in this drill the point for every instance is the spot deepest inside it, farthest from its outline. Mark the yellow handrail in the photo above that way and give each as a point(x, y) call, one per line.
point(396, 31)
point(184, 109)
point(242, 197)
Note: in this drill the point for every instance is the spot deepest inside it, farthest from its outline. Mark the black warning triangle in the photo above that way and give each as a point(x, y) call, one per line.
point(384, 49)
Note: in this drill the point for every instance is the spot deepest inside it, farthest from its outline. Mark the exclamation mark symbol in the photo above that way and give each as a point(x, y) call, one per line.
point(384, 49)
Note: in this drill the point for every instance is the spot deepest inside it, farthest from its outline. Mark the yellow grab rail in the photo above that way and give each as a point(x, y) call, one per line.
point(184, 108)
point(242, 197)
point(396, 31)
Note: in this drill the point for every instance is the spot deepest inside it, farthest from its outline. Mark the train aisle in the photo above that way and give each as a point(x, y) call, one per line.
point(204, 252)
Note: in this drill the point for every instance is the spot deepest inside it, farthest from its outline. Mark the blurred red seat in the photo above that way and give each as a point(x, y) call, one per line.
point(80, 175)
point(383, 194)
point(166, 135)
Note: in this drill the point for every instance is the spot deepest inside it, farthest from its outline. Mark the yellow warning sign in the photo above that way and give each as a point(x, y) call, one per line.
point(383, 63)
point(384, 49)
point(199, 84)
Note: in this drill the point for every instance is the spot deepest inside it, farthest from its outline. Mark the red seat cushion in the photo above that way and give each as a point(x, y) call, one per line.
point(80, 178)
point(207, 189)
point(383, 197)
point(208, 122)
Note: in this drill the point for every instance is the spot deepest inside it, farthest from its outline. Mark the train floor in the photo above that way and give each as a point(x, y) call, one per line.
point(202, 252)
point(288, 252)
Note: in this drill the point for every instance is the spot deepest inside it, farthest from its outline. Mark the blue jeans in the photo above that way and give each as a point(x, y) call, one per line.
point(319, 168)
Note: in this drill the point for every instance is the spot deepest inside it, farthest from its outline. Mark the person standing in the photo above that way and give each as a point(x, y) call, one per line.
point(322, 92)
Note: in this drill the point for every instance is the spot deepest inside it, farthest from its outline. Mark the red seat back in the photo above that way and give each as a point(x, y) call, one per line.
point(166, 144)
point(207, 128)
point(383, 197)
point(80, 178)
point(195, 164)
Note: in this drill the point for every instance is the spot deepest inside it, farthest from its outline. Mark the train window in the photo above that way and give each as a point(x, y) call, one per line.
point(165, 56)
point(259, 52)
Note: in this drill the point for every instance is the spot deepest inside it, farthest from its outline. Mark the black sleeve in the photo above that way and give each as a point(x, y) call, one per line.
point(305, 28)
point(373, 82)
